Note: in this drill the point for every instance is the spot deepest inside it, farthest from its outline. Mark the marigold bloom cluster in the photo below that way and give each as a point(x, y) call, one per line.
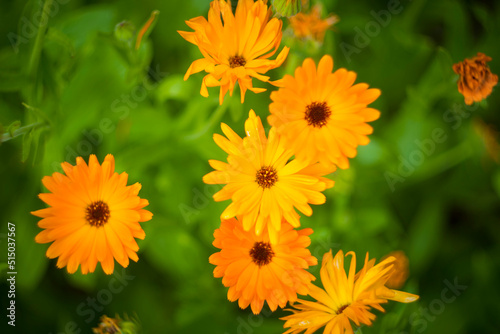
point(476, 81)
point(93, 216)
point(318, 118)
point(236, 47)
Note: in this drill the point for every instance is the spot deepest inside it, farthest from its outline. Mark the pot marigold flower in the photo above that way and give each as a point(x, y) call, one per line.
point(322, 116)
point(476, 80)
point(311, 25)
point(235, 47)
point(93, 216)
point(256, 270)
point(345, 298)
point(263, 185)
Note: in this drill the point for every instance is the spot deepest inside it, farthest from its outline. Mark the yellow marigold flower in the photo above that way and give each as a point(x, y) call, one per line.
point(256, 270)
point(311, 25)
point(321, 114)
point(400, 271)
point(261, 181)
point(93, 216)
point(235, 47)
point(345, 298)
point(476, 81)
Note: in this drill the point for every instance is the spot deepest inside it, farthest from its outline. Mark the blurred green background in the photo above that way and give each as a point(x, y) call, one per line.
point(428, 183)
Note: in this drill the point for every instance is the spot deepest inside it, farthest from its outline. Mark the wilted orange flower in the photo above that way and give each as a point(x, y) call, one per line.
point(400, 271)
point(235, 47)
point(476, 80)
point(256, 270)
point(262, 183)
point(93, 216)
point(109, 325)
point(322, 115)
point(311, 25)
point(345, 298)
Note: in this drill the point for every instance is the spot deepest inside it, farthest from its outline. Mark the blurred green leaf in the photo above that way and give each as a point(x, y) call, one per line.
point(169, 244)
point(27, 139)
point(11, 129)
point(57, 36)
point(426, 232)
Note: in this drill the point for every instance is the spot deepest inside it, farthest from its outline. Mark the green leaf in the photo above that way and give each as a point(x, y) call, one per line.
point(27, 139)
point(3, 267)
point(169, 244)
point(36, 142)
point(425, 233)
point(11, 81)
point(11, 129)
point(174, 87)
point(496, 182)
point(57, 36)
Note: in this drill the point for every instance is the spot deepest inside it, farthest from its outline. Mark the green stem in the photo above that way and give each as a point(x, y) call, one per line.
point(19, 132)
point(38, 113)
point(411, 14)
point(216, 116)
point(444, 162)
point(37, 48)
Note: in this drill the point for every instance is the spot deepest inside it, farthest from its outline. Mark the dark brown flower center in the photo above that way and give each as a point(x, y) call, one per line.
point(266, 177)
point(97, 213)
point(342, 308)
point(317, 114)
point(236, 61)
point(261, 253)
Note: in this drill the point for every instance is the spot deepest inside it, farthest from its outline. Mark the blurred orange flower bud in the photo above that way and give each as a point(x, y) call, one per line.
point(476, 80)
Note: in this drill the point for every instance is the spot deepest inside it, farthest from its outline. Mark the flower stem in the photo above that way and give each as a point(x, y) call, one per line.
point(216, 116)
point(19, 132)
point(37, 48)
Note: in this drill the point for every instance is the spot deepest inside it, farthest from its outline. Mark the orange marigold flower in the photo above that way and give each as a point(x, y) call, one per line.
point(476, 80)
point(400, 271)
point(311, 25)
point(322, 115)
point(256, 270)
point(261, 181)
point(235, 47)
point(345, 298)
point(93, 216)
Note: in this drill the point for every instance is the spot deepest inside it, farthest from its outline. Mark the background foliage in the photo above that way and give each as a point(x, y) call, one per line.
point(82, 91)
